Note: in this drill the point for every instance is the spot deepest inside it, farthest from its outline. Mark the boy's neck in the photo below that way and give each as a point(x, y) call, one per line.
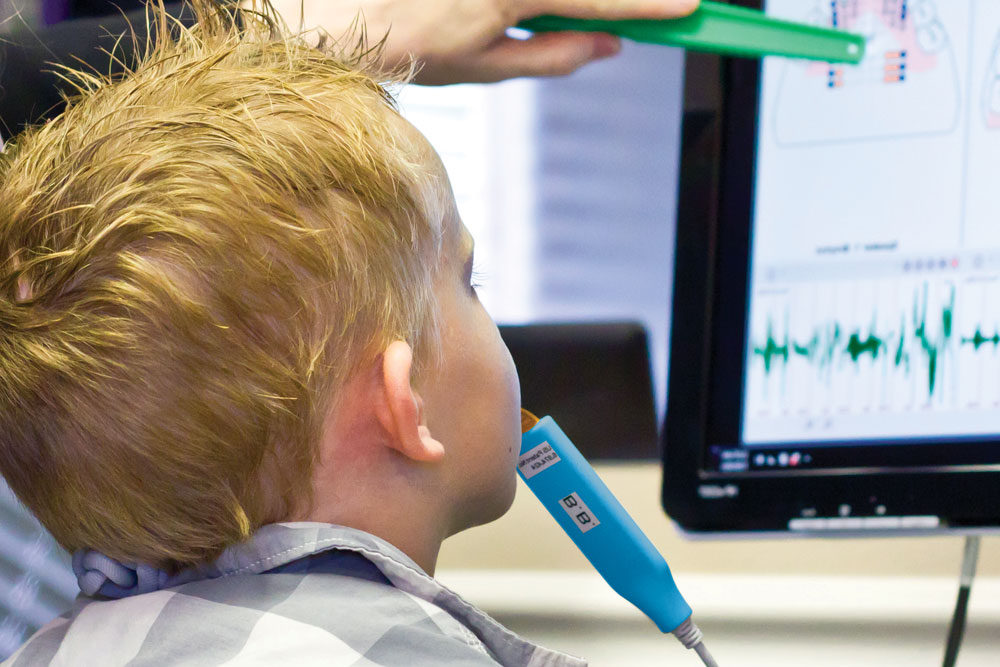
point(361, 481)
point(406, 530)
point(373, 489)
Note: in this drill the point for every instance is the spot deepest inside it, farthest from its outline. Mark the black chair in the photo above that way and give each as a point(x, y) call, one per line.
point(594, 380)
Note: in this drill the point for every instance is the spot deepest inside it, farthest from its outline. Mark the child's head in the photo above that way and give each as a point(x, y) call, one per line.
point(194, 262)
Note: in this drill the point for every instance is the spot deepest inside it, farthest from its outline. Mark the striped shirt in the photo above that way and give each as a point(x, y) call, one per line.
point(296, 593)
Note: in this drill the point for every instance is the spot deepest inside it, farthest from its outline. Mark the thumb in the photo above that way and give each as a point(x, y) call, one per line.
point(544, 54)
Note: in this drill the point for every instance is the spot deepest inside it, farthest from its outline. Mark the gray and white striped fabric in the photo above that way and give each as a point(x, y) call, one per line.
point(266, 602)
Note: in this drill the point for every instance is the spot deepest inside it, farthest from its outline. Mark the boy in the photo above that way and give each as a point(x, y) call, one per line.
point(244, 375)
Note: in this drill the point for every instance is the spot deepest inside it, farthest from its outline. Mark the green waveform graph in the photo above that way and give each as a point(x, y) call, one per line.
point(831, 343)
point(978, 339)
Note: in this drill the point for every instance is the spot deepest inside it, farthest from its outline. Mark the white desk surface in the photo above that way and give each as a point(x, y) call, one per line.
point(748, 621)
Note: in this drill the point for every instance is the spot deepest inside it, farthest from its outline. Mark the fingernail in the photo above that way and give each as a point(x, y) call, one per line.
point(606, 45)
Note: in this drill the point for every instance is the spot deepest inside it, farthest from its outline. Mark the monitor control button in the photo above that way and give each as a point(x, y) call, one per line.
point(863, 523)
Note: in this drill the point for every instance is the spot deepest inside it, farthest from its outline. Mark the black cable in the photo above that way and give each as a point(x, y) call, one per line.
point(957, 629)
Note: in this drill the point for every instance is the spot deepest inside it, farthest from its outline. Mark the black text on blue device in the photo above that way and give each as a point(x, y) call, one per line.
point(585, 508)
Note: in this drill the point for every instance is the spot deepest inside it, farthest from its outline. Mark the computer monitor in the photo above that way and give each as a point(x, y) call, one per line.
point(835, 349)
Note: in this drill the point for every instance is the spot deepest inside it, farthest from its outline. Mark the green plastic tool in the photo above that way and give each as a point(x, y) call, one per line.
point(725, 29)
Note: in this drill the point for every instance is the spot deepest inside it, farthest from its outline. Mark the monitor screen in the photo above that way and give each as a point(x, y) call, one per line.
point(849, 280)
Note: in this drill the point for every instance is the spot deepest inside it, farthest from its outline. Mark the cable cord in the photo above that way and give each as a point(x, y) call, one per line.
point(957, 629)
point(705, 656)
point(690, 635)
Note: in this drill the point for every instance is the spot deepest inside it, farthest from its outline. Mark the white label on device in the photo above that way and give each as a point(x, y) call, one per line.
point(537, 459)
point(579, 512)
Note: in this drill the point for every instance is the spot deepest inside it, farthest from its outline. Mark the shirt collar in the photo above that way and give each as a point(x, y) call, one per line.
point(272, 546)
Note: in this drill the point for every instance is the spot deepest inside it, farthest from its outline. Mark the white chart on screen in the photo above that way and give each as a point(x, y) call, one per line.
point(991, 91)
point(909, 73)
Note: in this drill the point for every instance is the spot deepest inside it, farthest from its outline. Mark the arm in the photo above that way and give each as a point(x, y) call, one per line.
point(464, 40)
point(30, 89)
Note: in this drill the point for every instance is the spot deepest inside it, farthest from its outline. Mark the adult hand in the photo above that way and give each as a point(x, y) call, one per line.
point(465, 40)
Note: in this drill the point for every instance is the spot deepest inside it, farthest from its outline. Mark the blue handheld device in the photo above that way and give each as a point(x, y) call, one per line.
point(589, 513)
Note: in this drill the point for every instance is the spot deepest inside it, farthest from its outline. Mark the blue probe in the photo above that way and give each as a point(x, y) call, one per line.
point(589, 513)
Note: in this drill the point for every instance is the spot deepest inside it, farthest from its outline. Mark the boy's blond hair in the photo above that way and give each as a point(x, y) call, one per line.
point(193, 259)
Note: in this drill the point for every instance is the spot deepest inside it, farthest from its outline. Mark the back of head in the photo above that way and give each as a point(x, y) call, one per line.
point(193, 258)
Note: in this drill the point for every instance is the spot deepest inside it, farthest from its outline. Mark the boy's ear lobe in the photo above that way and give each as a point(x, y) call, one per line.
point(400, 410)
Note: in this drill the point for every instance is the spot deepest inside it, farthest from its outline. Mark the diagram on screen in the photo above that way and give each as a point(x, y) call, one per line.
point(907, 83)
point(991, 95)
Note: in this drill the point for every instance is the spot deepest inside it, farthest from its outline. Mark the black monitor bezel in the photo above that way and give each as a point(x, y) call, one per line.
point(718, 153)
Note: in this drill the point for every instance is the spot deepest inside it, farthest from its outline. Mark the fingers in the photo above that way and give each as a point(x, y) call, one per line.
point(607, 9)
point(545, 54)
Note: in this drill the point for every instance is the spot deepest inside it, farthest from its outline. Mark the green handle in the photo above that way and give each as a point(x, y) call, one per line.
point(725, 29)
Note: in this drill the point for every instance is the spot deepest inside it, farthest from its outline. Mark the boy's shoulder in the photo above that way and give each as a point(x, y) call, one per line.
point(297, 592)
point(264, 619)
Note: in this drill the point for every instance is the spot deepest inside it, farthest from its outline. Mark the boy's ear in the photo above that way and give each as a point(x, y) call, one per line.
point(400, 410)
